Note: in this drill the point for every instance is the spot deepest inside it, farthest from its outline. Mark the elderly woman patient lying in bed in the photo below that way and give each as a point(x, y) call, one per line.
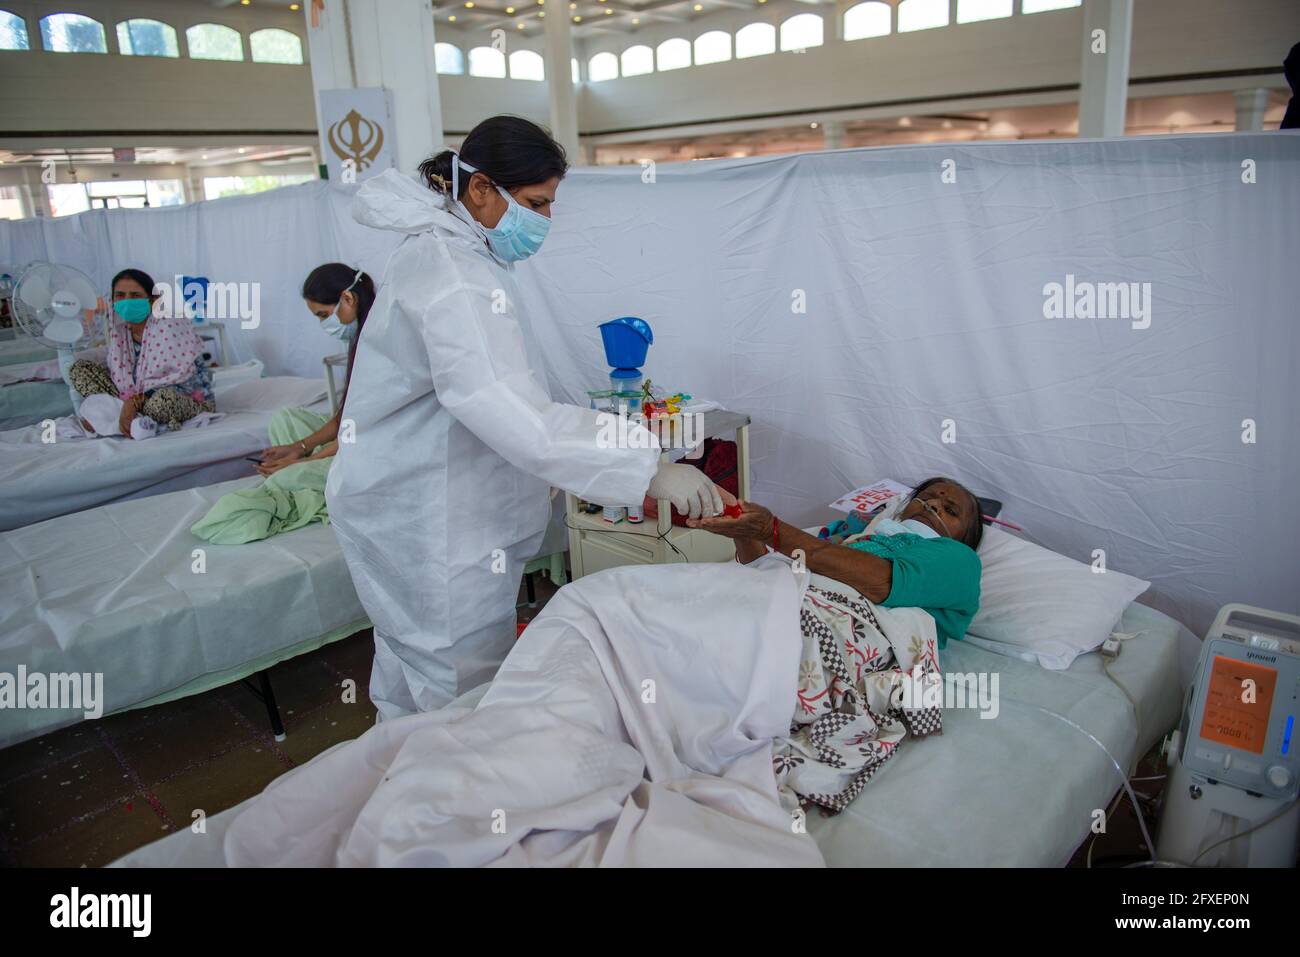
point(641, 716)
point(924, 557)
point(862, 683)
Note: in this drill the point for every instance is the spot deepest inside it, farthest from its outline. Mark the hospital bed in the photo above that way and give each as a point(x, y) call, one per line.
point(115, 590)
point(31, 392)
point(1019, 790)
point(40, 480)
point(20, 349)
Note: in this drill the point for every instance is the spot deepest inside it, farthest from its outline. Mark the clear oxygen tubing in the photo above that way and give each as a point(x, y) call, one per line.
point(1146, 836)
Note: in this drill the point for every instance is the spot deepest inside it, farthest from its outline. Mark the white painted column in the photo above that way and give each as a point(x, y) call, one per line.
point(1251, 106)
point(382, 43)
point(38, 197)
point(194, 184)
point(557, 52)
point(1103, 88)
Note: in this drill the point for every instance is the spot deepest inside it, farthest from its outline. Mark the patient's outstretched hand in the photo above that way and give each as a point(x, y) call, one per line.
point(753, 524)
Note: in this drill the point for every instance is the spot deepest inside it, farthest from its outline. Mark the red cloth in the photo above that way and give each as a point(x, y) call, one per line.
point(719, 463)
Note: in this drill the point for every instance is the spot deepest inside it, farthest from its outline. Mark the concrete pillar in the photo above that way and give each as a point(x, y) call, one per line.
point(833, 134)
point(557, 51)
point(38, 197)
point(382, 43)
point(1251, 106)
point(1103, 88)
point(194, 185)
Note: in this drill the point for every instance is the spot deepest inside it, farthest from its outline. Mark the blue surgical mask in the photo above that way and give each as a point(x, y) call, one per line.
point(334, 325)
point(337, 329)
point(519, 234)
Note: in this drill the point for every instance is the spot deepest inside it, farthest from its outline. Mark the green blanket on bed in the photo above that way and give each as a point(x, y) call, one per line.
point(287, 499)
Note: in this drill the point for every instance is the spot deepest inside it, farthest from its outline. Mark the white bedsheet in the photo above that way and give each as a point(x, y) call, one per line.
point(1017, 790)
point(33, 391)
point(40, 481)
point(569, 759)
point(114, 590)
point(1014, 790)
point(23, 349)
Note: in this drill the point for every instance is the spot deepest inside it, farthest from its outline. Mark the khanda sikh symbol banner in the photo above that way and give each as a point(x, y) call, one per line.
point(356, 126)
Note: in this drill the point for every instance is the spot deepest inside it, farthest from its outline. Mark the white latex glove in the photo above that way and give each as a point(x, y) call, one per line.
point(689, 489)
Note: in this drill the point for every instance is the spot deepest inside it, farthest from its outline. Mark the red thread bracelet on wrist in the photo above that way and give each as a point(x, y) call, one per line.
point(776, 534)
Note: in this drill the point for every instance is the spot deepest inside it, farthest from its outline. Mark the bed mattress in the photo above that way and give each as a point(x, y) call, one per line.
point(116, 590)
point(40, 480)
point(1018, 789)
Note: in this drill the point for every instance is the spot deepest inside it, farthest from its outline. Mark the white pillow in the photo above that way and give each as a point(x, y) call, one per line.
point(1038, 605)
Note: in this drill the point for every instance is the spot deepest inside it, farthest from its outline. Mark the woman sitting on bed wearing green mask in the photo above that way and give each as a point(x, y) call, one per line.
point(924, 557)
point(154, 378)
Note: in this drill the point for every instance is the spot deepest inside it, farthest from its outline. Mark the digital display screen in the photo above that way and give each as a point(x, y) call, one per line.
point(1237, 704)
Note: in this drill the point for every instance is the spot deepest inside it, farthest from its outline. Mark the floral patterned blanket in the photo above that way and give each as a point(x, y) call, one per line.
point(867, 677)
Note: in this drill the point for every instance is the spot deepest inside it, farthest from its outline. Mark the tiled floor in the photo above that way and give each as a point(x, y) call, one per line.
point(88, 794)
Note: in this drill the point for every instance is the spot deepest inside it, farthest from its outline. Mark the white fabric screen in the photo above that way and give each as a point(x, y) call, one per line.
point(272, 239)
point(924, 303)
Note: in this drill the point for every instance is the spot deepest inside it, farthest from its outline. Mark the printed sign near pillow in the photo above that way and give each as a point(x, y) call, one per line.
point(1039, 605)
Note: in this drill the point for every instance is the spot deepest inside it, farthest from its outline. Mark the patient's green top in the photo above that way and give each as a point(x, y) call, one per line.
point(939, 575)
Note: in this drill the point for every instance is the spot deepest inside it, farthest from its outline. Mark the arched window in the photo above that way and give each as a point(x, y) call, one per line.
point(673, 54)
point(275, 46)
point(969, 11)
point(447, 58)
point(1038, 6)
point(755, 39)
point(638, 61)
point(922, 15)
point(72, 33)
point(212, 41)
point(712, 47)
point(527, 65)
point(573, 69)
point(146, 38)
point(13, 32)
point(801, 32)
point(485, 61)
point(867, 20)
point(603, 66)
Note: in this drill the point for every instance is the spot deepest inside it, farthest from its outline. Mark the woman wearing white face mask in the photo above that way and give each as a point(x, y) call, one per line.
point(340, 297)
point(443, 496)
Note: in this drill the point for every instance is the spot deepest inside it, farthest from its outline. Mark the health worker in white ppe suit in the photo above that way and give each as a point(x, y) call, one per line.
point(443, 495)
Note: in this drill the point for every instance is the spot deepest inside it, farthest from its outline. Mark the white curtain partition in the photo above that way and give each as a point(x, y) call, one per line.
point(889, 313)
